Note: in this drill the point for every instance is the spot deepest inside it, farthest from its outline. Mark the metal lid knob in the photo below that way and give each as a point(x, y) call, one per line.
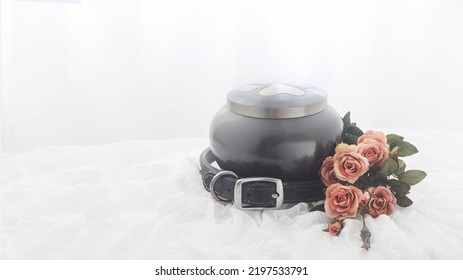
point(277, 100)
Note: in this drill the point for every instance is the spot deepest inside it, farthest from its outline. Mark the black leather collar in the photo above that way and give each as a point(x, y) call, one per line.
point(255, 193)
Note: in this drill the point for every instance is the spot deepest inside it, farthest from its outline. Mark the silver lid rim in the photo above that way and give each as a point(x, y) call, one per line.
point(277, 113)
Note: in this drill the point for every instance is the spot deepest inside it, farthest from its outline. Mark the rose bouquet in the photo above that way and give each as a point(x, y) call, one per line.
point(366, 176)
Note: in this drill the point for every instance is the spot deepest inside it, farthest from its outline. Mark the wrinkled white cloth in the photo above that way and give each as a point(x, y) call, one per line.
point(145, 200)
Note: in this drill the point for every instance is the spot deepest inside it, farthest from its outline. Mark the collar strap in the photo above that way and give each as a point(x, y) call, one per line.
point(255, 193)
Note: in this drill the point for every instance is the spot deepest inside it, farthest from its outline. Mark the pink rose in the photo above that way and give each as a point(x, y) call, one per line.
point(348, 164)
point(381, 202)
point(327, 172)
point(374, 135)
point(342, 201)
point(375, 152)
point(335, 227)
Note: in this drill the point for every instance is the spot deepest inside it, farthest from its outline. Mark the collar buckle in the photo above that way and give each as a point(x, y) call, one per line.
point(277, 195)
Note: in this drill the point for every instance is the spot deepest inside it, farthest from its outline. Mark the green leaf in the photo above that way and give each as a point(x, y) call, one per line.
point(392, 146)
point(399, 187)
point(401, 168)
point(346, 124)
point(406, 149)
point(354, 131)
point(350, 139)
point(351, 135)
point(363, 182)
point(412, 177)
point(320, 207)
point(346, 120)
point(374, 169)
point(393, 138)
point(404, 201)
point(389, 167)
point(378, 180)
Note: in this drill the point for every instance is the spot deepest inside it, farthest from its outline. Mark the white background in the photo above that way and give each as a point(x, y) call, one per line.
point(92, 72)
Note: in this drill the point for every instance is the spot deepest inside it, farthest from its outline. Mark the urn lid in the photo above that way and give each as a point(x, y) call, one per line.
point(277, 100)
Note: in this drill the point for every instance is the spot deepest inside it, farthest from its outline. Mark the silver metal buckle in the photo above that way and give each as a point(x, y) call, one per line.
point(278, 195)
point(212, 185)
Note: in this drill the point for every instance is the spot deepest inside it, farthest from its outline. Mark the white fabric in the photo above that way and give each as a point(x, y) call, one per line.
point(145, 200)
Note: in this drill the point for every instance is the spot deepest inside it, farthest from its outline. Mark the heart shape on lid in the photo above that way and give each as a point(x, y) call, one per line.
point(280, 88)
